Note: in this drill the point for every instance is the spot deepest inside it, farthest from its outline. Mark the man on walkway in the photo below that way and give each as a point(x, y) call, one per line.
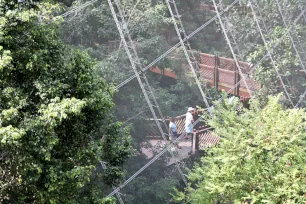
point(173, 131)
point(189, 123)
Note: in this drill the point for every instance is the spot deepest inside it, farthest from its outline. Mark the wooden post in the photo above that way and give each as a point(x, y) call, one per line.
point(197, 141)
point(194, 142)
point(216, 73)
point(199, 56)
point(237, 79)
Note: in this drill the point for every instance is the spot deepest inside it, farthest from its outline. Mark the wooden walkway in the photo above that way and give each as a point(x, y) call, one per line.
point(203, 138)
point(221, 73)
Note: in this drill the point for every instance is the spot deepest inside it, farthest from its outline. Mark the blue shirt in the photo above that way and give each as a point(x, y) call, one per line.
point(172, 126)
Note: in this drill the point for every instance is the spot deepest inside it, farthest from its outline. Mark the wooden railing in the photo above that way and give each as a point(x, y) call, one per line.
point(221, 73)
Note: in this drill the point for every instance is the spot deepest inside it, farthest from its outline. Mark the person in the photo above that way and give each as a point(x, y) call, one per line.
point(173, 130)
point(189, 123)
point(189, 126)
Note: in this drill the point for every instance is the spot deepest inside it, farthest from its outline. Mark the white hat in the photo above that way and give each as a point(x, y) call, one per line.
point(190, 109)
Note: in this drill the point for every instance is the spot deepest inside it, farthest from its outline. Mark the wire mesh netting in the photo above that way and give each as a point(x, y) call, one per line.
point(223, 72)
point(158, 75)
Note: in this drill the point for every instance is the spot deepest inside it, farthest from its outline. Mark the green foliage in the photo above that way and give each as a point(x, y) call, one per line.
point(260, 158)
point(94, 29)
point(251, 48)
point(161, 179)
point(55, 114)
point(287, 64)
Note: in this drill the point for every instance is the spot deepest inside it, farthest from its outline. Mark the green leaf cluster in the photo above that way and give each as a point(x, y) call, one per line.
point(260, 157)
point(55, 114)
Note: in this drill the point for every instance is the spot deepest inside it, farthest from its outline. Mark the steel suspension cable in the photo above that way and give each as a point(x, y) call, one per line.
point(150, 65)
point(232, 34)
point(127, 23)
point(266, 30)
point(103, 166)
point(262, 59)
point(294, 46)
point(290, 37)
point(167, 148)
point(154, 98)
point(139, 63)
point(261, 17)
point(135, 62)
point(78, 8)
point(197, 121)
point(265, 56)
point(301, 6)
point(231, 48)
point(176, 45)
point(151, 93)
point(118, 196)
point(184, 49)
point(301, 99)
point(265, 27)
point(303, 96)
point(269, 53)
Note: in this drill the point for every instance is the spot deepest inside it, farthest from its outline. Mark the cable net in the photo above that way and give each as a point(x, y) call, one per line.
point(173, 84)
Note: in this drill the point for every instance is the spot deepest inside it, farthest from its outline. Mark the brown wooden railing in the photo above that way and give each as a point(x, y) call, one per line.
point(221, 73)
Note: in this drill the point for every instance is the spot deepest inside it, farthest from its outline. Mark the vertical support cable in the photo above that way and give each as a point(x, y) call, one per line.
point(77, 8)
point(231, 48)
point(232, 35)
point(230, 31)
point(221, 98)
point(119, 197)
point(117, 193)
point(290, 37)
point(301, 99)
point(134, 60)
point(303, 96)
point(150, 90)
point(262, 19)
point(265, 27)
point(140, 67)
point(150, 162)
point(177, 45)
point(302, 8)
point(269, 53)
point(185, 51)
point(294, 46)
point(185, 35)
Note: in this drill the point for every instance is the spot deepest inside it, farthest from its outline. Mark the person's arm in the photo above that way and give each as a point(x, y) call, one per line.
point(190, 117)
point(192, 121)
